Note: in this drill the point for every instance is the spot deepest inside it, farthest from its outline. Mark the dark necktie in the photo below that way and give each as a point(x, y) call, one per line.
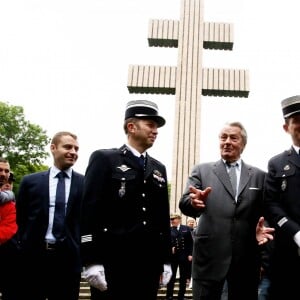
point(142, 161)
point(58, 229)
point(232, 176)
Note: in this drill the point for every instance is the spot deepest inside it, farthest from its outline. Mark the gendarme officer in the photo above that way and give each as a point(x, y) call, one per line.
point(182, 248)
point(126, 243)
point(282, 198)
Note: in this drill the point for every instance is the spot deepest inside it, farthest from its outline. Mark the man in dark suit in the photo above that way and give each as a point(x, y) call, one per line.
point(51, 266)
point(229, 230)
point(126, 243)
point(182, 247)
point(282, 196)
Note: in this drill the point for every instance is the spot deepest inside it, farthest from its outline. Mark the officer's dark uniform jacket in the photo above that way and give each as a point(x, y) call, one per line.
point(125, 209)
point(182, 242)
point(282, 190)
point(282, 196)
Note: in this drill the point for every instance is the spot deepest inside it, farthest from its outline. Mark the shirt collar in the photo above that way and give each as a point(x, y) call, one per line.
point(297, 149)
point(135, 152)
point(54, 171)
point(238, 162)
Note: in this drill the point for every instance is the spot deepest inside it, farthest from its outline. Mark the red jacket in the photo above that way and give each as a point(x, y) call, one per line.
point(8, 225)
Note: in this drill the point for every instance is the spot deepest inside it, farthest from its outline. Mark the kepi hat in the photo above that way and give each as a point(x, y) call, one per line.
point(144, 109)
point(290, 106)
point(175, 216)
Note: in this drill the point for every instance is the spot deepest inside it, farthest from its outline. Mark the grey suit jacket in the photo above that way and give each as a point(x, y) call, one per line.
point(225, 233)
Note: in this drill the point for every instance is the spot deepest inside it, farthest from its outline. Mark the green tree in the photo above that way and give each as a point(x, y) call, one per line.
point(22, 143)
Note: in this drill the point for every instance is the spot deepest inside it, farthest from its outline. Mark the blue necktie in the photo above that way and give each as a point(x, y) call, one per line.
point(142, 161)
point(58, 229)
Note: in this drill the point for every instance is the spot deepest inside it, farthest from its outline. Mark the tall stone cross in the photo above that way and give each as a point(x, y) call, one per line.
point(188, 81)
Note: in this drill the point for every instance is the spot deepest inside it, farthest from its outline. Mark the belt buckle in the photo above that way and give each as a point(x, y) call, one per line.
point(50, 246)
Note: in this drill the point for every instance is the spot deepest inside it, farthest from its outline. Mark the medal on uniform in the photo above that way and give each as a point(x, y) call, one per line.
point(284, 181)
point(122, 189)
point(158, 176)
point(283, 185)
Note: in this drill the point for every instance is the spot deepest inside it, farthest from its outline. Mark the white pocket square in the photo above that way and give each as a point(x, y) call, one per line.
point(253, 188)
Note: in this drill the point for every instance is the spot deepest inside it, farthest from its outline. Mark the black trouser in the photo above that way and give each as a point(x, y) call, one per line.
point(53, 274)
point(183, 266)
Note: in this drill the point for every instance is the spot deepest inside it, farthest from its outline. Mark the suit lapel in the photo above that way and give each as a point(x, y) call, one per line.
point(221, 172)
point(293, 157)
point(149, 166)
point(245, 177)
point(131, 160)
point(73, 191)
point(175, 231)
point(44, 186)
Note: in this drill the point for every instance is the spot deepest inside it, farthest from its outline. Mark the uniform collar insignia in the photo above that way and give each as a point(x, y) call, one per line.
point(123, 168)
point(286, 168)
point(124, 149)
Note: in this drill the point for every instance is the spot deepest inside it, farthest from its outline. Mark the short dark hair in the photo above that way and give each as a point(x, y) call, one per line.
point(56, 138)
point(129, 120)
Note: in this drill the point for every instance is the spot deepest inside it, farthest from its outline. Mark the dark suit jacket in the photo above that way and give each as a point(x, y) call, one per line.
point(226, 230)
point(33, 214)
point(125, 210)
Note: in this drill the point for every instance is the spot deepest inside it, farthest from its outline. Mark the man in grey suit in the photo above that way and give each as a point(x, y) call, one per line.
point(50, 262)
point(230, 227)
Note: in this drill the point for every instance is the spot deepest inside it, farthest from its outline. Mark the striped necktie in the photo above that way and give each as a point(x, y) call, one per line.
point(232, 176)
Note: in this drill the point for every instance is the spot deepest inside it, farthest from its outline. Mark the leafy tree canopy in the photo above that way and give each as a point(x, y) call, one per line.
point(22, 143)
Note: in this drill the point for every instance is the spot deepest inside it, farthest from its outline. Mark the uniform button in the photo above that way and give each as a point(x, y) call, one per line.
point(144, 222)
point(105, 229)
point(143, 195)
point(145, 181)
point(144, 208)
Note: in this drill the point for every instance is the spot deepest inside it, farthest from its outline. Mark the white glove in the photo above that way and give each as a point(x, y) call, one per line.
point(166, 275)
point(95, 276)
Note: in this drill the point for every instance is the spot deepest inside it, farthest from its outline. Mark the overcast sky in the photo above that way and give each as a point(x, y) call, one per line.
point(66, 62)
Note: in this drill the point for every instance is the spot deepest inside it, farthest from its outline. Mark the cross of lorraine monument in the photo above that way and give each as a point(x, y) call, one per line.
point(188, 81)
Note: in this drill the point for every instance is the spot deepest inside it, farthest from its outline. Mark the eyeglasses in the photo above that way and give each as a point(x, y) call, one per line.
point(172, 219)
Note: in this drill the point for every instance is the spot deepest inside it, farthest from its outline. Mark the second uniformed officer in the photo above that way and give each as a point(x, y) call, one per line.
point(182, 248)
point(126, 243)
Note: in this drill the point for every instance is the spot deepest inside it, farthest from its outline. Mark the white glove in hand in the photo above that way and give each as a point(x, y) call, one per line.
point(166, 275)
point(95, 276)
